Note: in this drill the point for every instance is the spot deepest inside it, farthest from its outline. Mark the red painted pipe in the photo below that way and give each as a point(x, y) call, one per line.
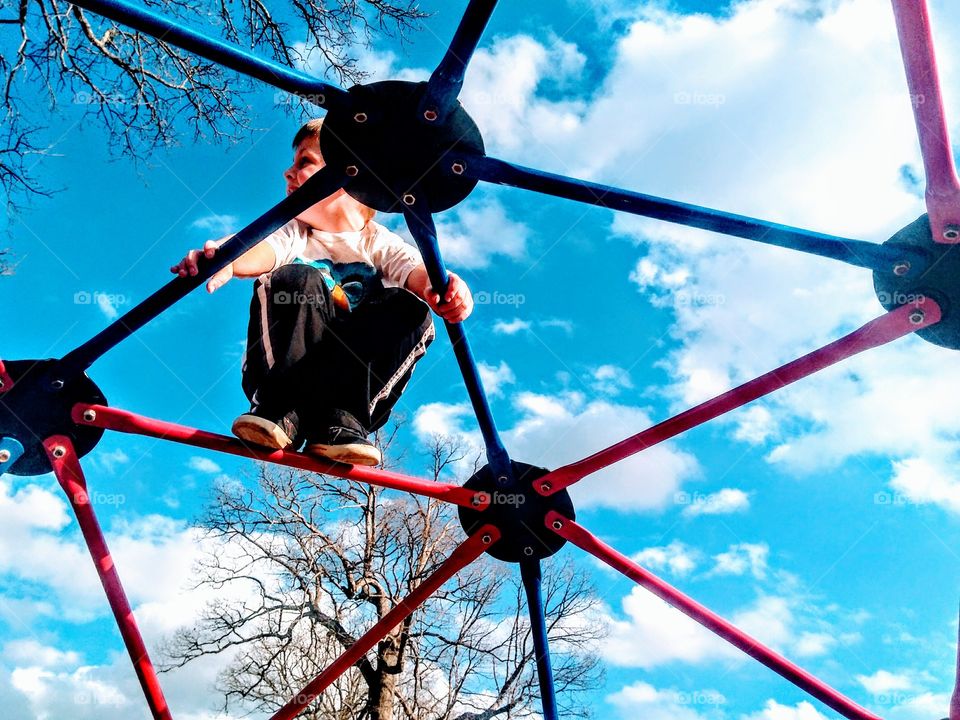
point(66, 466)
point(920, 62)
point(6, 382)
point(465, 554)
point(583, 539)
point(884, 329)
point(123, 421)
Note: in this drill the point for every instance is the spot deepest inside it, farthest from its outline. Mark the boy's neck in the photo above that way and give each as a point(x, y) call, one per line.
point(347, 220)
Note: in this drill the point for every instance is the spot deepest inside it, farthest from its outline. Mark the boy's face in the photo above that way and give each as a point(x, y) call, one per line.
point(307, 160)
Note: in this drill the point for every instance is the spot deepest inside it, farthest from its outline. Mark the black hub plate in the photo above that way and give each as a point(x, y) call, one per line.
point(939, 282)
point(518, 511)
point(395, 150)
point(35, 408)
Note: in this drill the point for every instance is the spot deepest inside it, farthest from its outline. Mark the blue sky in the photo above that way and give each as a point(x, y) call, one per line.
point(824, 519)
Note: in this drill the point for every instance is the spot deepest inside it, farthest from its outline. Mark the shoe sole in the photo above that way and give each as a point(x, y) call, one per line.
point(350, 453)
point(260, 431)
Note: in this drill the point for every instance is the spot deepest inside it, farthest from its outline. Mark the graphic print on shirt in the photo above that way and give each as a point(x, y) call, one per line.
point(349, 283)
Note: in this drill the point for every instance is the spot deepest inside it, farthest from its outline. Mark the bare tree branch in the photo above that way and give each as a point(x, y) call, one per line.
point(303, 564)
point(146, 94)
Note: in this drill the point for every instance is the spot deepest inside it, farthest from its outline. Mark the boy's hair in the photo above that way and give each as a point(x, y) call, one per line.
point(311, 128)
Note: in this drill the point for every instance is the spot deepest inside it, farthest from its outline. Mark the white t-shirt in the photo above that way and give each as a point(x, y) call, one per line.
point(385, 252)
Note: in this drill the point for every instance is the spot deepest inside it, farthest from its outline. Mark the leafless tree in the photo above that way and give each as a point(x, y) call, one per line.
point(305, 563)
point(145, 93)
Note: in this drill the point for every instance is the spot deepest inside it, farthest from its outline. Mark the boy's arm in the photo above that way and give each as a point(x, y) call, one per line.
point(457, 302)
point(259, 259)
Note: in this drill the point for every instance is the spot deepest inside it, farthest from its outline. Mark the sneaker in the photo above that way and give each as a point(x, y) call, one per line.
point(345, 442)
point(267, 430)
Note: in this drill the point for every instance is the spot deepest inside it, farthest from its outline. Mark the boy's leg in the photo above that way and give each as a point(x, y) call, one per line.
point(371, 360)
point(290, 315)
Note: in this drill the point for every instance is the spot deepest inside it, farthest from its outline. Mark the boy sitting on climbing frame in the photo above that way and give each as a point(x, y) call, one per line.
point(336, 321)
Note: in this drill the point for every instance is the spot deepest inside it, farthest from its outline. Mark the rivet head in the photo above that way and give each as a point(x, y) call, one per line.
point(951, 232)
point(4, 456)
point(528, 551)
point(59, 451)
point(901, 268)
point(557, 524)
point(89, 415)
point(546, 487)
point(487, 539)
point(352, 170)
point(916, 317)
point(360, 117)
point(430, 115)
point(409, 199)
point(57, 384)
point(458, 168)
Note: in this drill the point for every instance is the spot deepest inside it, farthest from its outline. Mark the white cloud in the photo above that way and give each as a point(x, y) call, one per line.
point(108, 305)
point(495, 377)
point(500, 93)
point(553, 430)
point(558, 429)
point(640, 699)
point(722, 502)
point(216, 226)
point(928, 480)
point(203, 464)
point(741, 558)
point(511, 327)
point(474, 233)
point(654, 633)
point(610, 379)
point(883, 681)
point(775, 711)
point(677, 557)
point(108, 460)
point(33, 652)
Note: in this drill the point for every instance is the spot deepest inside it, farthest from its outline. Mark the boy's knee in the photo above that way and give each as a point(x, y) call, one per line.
point(296, 276)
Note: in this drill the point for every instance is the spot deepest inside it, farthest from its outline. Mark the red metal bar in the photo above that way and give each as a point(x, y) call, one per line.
point(585, 540)
point(955, 697)
point(66, 466)
point(123, 421)
point(879, 331)
point(920, 62)
point(465, 554)
point(6, 382)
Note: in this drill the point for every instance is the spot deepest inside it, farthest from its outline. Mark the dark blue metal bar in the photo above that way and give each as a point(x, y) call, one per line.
point(530, 574)
point(421, 225)
point(321, 185)
point(446, 82)
point(10, 452)
point(855, 252)
point(231, 56)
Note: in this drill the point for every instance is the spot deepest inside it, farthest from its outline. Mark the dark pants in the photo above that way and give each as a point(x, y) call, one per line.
point(305, 353)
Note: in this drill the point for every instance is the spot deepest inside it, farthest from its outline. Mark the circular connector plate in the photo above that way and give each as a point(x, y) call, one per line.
point(902, 284)
point(519, 512)
point(395, 150)
point(39, 406)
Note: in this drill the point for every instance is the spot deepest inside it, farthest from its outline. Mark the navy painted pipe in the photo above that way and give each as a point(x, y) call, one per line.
point(218, 51)
point(324, 183)
point(855, 252)
point(421, 225)
point(530, 574)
